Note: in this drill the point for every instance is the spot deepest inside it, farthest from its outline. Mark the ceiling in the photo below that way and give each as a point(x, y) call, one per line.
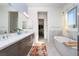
point(59, 5)
point(47, 4)
point(41, 4)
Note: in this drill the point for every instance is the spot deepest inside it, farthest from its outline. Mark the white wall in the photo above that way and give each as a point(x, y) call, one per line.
point(3, 20)
point(54, 18)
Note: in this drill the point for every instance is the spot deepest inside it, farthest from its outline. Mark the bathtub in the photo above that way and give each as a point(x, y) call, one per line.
point(63, 49)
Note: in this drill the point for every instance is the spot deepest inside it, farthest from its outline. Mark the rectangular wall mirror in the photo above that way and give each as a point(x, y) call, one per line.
point(11, 18)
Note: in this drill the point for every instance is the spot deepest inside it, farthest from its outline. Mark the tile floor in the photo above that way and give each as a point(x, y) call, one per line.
point(51, 48)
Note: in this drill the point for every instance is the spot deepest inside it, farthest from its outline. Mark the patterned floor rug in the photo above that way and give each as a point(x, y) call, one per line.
point(39, 49)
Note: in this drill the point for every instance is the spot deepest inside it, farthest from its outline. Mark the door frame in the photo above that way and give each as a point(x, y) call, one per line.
point(45, 24)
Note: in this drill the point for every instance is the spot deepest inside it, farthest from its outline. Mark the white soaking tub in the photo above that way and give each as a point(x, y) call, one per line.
point(63, 49)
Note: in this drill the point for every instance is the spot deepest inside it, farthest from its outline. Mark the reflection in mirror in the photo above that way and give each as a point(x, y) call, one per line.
point(8, 19)
point(11, 19)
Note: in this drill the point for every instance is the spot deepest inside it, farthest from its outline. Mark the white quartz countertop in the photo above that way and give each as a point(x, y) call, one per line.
point(13, 39)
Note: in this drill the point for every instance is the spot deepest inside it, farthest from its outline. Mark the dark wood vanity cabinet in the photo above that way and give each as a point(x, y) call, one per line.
point(10, 51)
point(25, 45)
point(20, 48)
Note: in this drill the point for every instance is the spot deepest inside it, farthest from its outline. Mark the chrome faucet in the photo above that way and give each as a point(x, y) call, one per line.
point(5, 35)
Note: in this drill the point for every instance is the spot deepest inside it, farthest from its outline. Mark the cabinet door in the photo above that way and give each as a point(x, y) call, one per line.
point(10, 51)
point(20, 48)
point(25, 45)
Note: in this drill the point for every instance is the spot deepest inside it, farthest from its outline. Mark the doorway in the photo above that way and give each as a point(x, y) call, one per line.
point(42, 26)
point(13, 21)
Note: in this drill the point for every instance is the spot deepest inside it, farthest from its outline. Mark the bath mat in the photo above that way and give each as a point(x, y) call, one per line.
point(38, 50)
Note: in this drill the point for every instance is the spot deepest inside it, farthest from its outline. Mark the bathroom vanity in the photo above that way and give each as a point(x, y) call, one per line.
point(17, 45)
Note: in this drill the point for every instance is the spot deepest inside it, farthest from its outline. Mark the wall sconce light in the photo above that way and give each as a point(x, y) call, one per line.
point(26, 14)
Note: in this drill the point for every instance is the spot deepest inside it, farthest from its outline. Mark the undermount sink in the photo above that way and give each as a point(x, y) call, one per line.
point(7, 36)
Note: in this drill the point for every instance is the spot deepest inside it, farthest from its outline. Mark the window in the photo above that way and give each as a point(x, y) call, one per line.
point(72, 18)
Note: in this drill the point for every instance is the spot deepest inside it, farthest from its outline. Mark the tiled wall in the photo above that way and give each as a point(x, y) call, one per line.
point(70, 35)
point(61, 33)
